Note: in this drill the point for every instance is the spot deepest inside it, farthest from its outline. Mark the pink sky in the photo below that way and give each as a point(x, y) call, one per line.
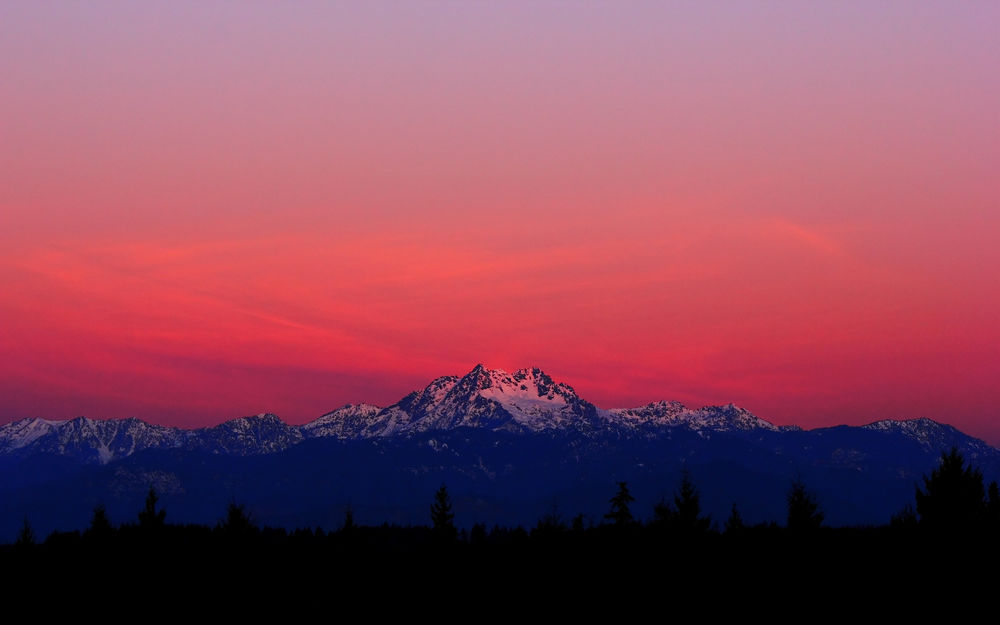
point(211, 210)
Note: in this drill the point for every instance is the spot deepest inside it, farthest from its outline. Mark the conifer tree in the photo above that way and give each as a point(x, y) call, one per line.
point(238, 523)
point(100, 526)
point(687, 505)
point(620, 514)
point(735, 524)
point(993, 506)
point(905, 519)
point(803, 511)
point(442, 518)
point(26, 537)
point(953, 496)
point(478, 534)
point(551, 522)
point(149, 516)
point(663, 513)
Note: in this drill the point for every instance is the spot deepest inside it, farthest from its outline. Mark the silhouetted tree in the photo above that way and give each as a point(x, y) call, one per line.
point(993, 505)
point(26, 537)
point(735, 524)
point(348, 519)
point(803, 510)
point(551, 522)
point(906, 518)
point(577, 524)
point(442, 518)
point(100, 526)
point(687, 507)
point(953, 495)
point(149, 516)
point(620, 514)
point(663, 513)
point(477, 535)
point(237, 523)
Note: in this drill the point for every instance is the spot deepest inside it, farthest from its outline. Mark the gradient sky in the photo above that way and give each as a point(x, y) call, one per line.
point(212, 209)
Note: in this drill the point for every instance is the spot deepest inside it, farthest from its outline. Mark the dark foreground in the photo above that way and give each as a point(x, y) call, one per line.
point(603, 570)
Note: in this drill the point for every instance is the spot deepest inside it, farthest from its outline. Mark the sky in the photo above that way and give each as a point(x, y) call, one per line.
point(215, 209)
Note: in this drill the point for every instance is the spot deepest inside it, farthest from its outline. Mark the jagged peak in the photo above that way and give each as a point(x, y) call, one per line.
point(34, 421)
point(897, 424)
point(529, 382)
point(444, 380)
point(727, 409)
point(350, 409)
point(262, 418)
point(660, 404)
point(481, 377)
point(363, 406)
point(726, 416)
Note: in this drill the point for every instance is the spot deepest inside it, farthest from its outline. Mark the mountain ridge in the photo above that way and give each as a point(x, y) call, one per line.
point(508, 445)
point(524, 401)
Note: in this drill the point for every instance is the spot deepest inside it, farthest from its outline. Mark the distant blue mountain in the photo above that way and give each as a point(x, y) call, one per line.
point(511, 447)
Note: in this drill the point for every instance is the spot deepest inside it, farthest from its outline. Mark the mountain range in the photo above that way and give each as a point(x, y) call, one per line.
point(510, 446)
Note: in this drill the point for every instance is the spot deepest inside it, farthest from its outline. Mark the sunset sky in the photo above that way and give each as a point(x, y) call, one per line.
point(209, 210)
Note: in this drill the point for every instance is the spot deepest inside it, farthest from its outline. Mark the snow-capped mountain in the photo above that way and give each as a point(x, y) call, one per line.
point(103, 441)
point(728, 418)
point(508, 443)
point(90, 440)
point(344, 422)
point(260, 434)
point(525, 401)
point(933, 436)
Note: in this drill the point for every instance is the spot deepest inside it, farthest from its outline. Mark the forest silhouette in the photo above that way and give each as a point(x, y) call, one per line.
point(954, 516)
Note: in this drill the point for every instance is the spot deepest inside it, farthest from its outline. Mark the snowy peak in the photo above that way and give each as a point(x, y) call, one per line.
point(931, 434)
point(912, 426)
point(92, 439)
point(260, 434)
point(728, 418)
point(525, 401)
point(492, 399)
point(344, 422)
point(101, 441)
point(530, 384)
point(265, 419)
point(731, 417)
point(655, 412)
point(345, 411)
point(19, 434)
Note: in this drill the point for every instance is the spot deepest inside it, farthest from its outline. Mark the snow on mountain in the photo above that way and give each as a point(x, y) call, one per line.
point(525, 401)
point(19, 434)
point(260, 434)
point(931, 435)
point(90, 439)
point(102, 441)
point(726, 418)
point(918, 429)
point(657, 412)
point(344, 422)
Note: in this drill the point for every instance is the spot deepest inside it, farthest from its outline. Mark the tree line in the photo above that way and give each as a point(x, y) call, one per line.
point(951, 498)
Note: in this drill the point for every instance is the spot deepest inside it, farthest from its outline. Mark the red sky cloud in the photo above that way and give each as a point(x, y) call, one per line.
point(208, 211)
